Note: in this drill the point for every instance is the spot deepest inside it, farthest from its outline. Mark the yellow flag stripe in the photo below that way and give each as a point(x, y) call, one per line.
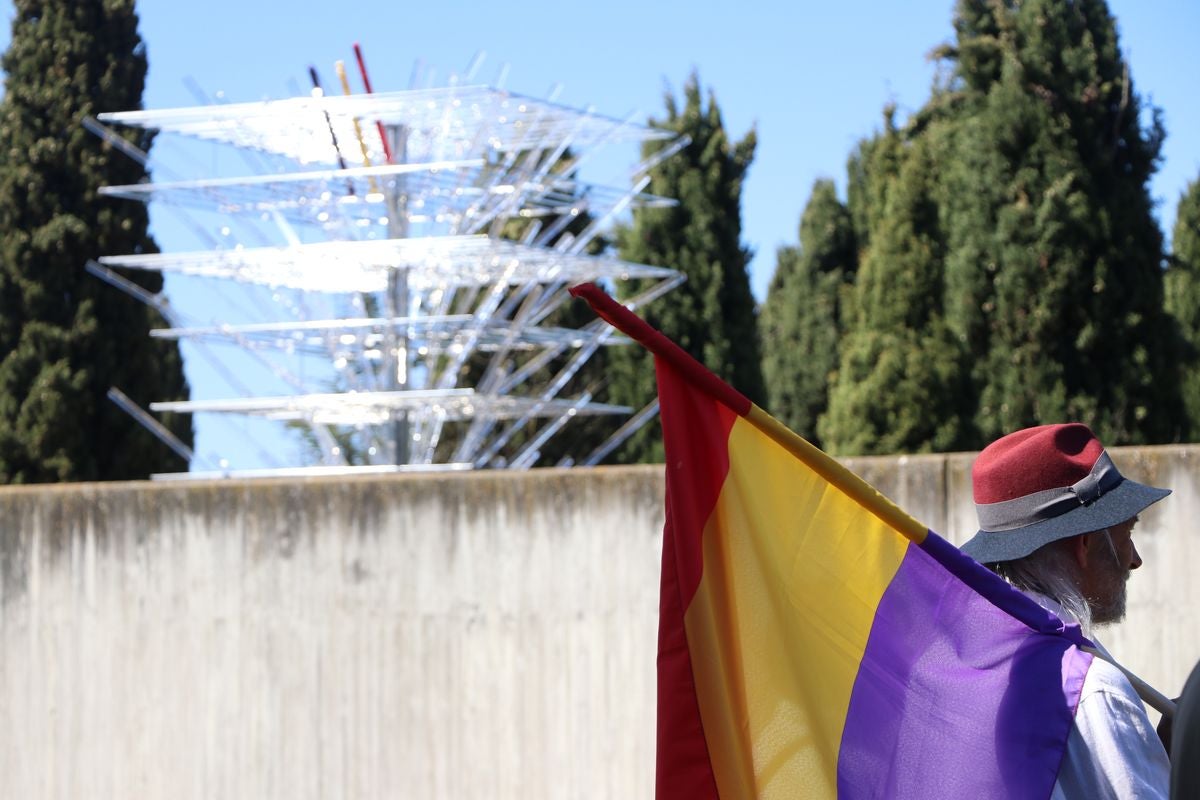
point(845, 480)
point(794, 569)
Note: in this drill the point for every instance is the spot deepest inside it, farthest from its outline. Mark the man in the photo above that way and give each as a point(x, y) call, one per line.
point(1056, 520)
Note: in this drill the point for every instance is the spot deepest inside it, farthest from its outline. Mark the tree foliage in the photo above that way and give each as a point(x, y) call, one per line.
point(712, 315)
point(1183, 300)
point(801, 320)
point(1007, 228)
point(1053, 248)
point(900, 384)
point(65, 337)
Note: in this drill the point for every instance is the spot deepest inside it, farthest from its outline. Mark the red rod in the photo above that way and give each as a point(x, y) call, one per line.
point(362, 69)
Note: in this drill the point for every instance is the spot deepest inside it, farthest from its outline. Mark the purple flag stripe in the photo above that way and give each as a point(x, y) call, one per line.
point(955, 697)
point(996, 590)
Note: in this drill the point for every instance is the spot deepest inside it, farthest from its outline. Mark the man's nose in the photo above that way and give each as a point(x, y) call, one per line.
point(1136, 559)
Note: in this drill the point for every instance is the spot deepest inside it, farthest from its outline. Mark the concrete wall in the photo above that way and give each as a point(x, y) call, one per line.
point(456, 636)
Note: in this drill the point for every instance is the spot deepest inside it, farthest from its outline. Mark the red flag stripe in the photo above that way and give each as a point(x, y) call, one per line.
point(696, 435)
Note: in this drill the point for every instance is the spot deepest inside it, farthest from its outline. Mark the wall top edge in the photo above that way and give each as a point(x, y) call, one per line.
point(608, 473)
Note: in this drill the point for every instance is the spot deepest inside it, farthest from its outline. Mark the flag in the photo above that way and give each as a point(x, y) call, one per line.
point(815, 640)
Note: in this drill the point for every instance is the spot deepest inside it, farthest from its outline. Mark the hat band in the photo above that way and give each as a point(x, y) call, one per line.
point(1049, 503)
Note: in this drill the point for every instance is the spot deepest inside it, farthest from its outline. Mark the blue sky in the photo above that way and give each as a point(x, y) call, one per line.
point(812, 78)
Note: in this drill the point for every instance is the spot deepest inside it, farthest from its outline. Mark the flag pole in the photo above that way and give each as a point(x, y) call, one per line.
point(1151, 696)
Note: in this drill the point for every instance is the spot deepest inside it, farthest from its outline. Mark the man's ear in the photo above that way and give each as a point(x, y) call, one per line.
point(1077, 547)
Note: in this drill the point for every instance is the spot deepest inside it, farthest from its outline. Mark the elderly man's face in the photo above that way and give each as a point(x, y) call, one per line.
point(1108, 568)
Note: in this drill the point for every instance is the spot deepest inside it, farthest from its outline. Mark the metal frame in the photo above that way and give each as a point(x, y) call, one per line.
point(399, 283)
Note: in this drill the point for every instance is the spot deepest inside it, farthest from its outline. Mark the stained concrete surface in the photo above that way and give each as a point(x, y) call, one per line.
point(445, 636)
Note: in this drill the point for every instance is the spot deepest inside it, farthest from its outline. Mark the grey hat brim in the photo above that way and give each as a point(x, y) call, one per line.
point(1121, 503)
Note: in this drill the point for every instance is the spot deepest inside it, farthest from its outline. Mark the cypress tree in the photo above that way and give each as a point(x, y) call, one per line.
point(65, 337)
point(801, 320)
point(1183, 301)
point(901, 380)
point(1053, 261)
point(712, 315)
point(1017, 199)
point(869, 171)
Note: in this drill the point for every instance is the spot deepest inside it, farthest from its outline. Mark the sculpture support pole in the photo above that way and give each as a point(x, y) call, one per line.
point(397, 299)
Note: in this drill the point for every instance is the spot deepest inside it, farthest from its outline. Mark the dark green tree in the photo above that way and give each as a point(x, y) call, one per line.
point(1053, 257)
point(712, 315)
point(900, 386)
point(1183, 300)
point(65, 337)
point(1007, 227)
point(801, 320)
point(870, 173)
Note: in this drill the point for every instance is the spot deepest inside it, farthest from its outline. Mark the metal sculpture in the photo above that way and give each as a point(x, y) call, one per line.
point(418, 243)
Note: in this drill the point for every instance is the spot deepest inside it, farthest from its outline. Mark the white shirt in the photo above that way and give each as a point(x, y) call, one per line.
point(1113, 751)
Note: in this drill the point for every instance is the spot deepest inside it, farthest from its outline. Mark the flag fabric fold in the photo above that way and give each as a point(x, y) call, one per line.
point(815, 640)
